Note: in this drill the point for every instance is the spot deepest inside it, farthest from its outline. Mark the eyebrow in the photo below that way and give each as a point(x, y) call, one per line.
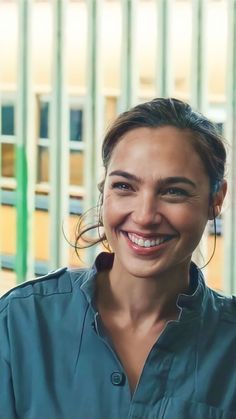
point(165, 181)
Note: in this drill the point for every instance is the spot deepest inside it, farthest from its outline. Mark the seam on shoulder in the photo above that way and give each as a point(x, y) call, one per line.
point(77, 275)
point(28, 288)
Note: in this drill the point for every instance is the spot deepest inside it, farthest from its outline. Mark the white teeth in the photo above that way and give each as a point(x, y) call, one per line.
point(140, 242)
point(145, 243)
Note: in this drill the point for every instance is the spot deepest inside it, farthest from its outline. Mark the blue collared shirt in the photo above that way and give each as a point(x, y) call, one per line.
point(56, 362)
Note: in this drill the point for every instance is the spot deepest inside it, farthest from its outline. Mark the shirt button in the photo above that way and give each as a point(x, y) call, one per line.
point(117, 378)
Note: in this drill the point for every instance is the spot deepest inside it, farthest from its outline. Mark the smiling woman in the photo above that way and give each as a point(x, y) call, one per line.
point(167, 202)
point(138, 335)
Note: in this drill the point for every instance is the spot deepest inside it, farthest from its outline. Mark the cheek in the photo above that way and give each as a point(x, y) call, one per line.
point(112, 211)
point(189, 218)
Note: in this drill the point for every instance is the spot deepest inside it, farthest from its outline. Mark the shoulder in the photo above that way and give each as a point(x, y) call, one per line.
point(229, 309)
point(225, 305)
point(60, 281)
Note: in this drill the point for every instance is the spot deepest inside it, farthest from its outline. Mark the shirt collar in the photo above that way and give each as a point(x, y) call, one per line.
point(198, 290)
point(102, 262)
point(192, 301)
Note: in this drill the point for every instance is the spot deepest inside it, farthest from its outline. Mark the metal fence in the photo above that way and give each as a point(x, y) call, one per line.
point(162, 45)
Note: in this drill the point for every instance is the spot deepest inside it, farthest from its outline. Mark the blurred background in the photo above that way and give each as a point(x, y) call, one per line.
point(67, 68)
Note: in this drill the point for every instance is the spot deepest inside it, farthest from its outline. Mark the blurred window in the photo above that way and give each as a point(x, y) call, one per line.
point(7, 135)
point(76, 162)
point(43, 119)
point(76, 167)
point(76, 124)
point(8, 119)
point(43, 164)
point(76, 157)
point(43, 140)
point(8, 160)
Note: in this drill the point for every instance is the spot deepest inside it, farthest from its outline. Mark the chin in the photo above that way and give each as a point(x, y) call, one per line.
point(144, 271)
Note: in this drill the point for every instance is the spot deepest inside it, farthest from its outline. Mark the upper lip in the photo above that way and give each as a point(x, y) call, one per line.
point(149, 235)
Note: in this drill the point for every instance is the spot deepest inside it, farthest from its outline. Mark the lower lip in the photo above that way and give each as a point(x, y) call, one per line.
point(145, 250)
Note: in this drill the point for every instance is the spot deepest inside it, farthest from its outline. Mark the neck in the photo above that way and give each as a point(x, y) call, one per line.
point(138, 298)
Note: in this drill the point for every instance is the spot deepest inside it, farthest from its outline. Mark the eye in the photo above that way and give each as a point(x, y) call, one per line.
point(175, 191)
point(121, 186)
point(175, 194)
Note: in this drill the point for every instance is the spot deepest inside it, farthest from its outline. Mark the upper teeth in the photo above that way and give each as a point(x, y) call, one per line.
point(145, 242)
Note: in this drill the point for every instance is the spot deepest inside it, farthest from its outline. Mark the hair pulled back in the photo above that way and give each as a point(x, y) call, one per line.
point(161, 112)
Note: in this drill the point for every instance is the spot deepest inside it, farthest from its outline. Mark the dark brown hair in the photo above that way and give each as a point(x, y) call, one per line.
point(160, 112)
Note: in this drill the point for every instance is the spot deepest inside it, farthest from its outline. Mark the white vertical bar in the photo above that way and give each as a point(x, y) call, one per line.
point(230, 212)
point(199, 62)
point(129, 73)
point(1, 218)
point(199, 88)
point(59, 143)
point(164, 77)
point(94, 117)
point(25, 147)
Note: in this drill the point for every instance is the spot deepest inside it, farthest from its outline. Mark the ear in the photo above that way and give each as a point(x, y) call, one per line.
point(217, 200)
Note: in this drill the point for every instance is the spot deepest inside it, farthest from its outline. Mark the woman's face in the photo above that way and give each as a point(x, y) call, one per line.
point(156, 201)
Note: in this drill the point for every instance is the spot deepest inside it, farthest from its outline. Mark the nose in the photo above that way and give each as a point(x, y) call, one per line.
point(147, 212)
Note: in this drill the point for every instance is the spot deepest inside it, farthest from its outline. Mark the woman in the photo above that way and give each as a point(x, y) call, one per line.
point(139, 335)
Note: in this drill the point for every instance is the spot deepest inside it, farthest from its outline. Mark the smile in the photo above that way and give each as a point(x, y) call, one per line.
point(147, 243)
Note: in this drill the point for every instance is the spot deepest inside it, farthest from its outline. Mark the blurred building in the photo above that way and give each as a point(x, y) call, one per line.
point(67, 67)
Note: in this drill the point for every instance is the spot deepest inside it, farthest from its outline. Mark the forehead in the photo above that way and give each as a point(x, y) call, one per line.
point(150, 150)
